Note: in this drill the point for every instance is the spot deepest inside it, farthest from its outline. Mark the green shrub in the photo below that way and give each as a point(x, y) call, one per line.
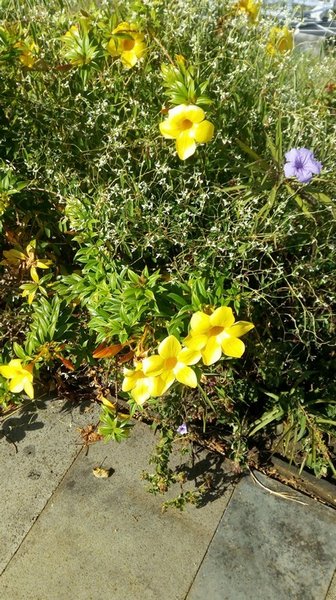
point(140, 240)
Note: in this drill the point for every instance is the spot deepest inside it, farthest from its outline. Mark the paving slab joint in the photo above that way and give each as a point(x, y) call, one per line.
point(209, 544)
point(331, 593)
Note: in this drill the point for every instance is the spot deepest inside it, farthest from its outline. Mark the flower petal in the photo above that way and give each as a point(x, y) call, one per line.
point(189, 356)
point(28, 388)
point(182, 429)
point(185, 145)
point(186, 375)
point(169, 129)
point(152, 365)
point(315, 166)
point(203, 132)
point(123, 26)
point(7, 371)
point(142, 390)
point(15, 362)
point(127, 384)
point(129, 58)
point(140, 47)
point(304, 175)
point(212, 352)
point(232, 346)
point(239, 328)
point(195, 114)
point(113, 47)
point(178, 113)
point(16, 385)
point(130, 380)
point(222, 317)
point(200, 322)
point(291, 155)
point(161, 384)
point(195, 341)
point(169, 347)
point(304, 155)
point(290, 170)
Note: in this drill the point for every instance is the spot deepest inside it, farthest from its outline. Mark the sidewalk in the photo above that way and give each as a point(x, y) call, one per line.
point(67, 534)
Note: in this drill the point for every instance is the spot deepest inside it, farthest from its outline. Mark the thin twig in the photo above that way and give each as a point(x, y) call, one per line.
point(163, 50)
point(284, 495)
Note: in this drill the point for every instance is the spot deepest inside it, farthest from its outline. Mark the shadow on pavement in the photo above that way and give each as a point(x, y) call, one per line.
point(211, 470)
point(29, 418)
point(14, 428)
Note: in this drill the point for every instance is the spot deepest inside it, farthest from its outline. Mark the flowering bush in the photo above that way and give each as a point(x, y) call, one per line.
point(148, 245)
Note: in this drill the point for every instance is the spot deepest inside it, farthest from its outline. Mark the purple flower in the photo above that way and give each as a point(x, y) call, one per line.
point(182, 429)
point(301, 164)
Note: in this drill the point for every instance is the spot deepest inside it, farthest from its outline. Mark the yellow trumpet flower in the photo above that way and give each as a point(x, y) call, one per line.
point(172, 363)
point(21, 377)
point(130, 47)
point(250, 8)
point(280, 40)
point(141, 386)
point(217, 333)
point(186, 124)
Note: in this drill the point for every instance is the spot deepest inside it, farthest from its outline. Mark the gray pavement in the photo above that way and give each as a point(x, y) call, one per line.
point(37, 446)
point(66, 534)
point(271, 547)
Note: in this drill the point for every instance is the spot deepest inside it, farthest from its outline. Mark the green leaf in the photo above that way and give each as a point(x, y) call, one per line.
point(271, 146)
point(262, 164)
point(324, 199)
point(303, 205)
point(303, 427)
point(278, 140)
point(111, 427)
point(179, 300)
point(265, 210)
point(266, 419)
point(133, 277)
point(19, 351)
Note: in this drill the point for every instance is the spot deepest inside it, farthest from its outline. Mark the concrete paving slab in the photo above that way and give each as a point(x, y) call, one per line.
point(269, 548)
point(108, 538)
point(37, 446)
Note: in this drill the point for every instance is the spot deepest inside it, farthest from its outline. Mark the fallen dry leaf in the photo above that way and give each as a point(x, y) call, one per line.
point(89, 435)
point(102, 473)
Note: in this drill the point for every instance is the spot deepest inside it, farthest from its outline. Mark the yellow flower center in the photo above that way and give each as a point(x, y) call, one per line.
point(186, 124)
point(170, 363)
point(128, 45)
point(215, 331)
